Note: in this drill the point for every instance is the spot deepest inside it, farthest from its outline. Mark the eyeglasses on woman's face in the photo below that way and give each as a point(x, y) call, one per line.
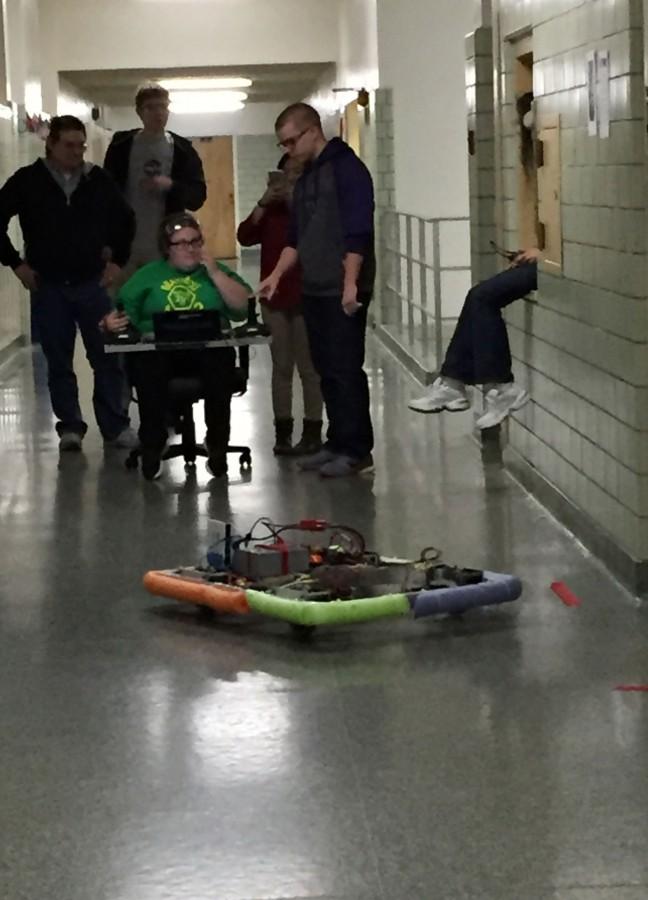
point(189, 244)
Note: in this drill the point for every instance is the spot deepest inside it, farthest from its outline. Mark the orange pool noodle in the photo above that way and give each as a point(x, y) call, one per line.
point(220, 597)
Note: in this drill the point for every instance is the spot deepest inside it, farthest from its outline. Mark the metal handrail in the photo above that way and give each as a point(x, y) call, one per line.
point(433, 264)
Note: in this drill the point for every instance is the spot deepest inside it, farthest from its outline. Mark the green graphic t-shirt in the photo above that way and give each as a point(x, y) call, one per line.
point(159, 287)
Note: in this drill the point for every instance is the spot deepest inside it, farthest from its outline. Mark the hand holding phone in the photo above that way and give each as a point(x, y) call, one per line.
point(276, 190)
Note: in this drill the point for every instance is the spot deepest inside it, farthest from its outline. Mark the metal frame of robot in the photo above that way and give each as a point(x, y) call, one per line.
point(203, 588)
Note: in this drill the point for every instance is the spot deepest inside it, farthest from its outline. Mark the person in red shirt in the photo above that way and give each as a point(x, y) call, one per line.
point(267, 225)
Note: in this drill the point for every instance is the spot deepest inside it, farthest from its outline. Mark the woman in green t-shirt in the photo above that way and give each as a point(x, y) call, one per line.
point(184, 279)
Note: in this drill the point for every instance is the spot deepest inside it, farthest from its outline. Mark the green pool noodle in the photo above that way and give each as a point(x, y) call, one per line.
point(335, 612)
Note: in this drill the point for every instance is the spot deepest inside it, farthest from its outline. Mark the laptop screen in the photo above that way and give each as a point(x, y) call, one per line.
point(193, 325)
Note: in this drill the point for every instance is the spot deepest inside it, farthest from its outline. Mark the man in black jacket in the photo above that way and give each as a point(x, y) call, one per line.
point(158, 172)
point(77, 232)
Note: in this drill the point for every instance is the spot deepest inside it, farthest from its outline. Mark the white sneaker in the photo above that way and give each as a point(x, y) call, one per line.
point(315, 461)
point(439, 396)
point(501, 400)
point(125, 440)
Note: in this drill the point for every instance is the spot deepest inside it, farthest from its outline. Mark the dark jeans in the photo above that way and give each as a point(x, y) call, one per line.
point(479, 351)
point(57, 311)
point(337, 345)
point(151, 373)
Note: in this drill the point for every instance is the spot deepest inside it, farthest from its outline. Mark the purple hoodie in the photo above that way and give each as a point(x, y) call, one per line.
point(332, 215)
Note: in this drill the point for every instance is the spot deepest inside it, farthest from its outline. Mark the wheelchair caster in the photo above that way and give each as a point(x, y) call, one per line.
point(206, 613)
point(303, 632)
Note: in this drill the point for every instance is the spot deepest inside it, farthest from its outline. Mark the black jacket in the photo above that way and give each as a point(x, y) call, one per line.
point(189, 190)
point(65, 241)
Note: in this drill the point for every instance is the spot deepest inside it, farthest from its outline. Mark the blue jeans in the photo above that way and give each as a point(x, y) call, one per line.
point(479, 351)
point(337, 345)
point(58, 310)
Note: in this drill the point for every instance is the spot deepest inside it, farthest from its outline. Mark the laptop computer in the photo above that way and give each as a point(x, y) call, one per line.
point(177, 327)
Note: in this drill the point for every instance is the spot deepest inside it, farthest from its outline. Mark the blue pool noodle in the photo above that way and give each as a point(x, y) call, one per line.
point(494, 589)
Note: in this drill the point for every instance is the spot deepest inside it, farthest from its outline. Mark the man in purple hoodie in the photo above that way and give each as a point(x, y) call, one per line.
point(332, 236)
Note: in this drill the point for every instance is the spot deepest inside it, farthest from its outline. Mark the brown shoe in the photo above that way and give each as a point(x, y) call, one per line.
point(311, 439)
point(283, 437)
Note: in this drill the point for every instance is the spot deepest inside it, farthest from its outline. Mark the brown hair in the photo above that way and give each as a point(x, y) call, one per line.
point(150, 91)
point(302, 113)
point(523, 105)
point(59, 124)
point(173, 223)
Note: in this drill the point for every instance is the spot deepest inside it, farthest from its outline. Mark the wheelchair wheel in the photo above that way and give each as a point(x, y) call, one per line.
point(132, 460)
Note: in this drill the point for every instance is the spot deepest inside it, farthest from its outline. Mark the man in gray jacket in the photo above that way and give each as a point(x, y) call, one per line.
point(332, 236)
point(158, 172)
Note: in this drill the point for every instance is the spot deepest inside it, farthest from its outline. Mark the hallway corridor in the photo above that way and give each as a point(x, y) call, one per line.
point(149, 754)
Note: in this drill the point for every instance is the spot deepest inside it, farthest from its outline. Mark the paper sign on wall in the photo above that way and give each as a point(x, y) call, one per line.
point(592, 107)
point(598, 93)
point(603, 92)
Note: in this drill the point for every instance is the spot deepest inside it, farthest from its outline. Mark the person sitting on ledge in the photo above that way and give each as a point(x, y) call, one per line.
point(479, 351)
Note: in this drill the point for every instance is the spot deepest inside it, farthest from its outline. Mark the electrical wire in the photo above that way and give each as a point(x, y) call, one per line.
point(430, 554)
point(350, 539)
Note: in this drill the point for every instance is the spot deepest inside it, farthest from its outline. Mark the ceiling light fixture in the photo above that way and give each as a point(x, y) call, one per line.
point(204, 84)
point(207, 101)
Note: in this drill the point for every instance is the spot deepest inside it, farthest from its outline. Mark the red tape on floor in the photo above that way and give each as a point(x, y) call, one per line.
point(632, 688)
point(567, 596)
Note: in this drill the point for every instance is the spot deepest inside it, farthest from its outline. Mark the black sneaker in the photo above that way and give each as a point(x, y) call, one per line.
point(151, 466)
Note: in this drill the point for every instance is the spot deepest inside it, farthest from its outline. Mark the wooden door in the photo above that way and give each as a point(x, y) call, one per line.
point(549, 192)
point(217, 216)
point(351, 126)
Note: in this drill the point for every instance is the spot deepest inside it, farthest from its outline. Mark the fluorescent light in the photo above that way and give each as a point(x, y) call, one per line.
point(204, 84)
point(207, 101)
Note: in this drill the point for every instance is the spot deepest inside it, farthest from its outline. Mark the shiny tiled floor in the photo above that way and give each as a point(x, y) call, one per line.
point(146, 754)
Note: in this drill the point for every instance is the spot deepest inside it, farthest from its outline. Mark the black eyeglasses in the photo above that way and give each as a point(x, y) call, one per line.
point(194, 244)
point(153, 106)
point(290, 142)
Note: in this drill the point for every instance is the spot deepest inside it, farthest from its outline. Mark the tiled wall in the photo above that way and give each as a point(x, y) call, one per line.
point(581, 345)
point(11, 297)
point(19, 150)
point(15, 150)
point(256, 155)
point(383, 118)
point(481, 161)
point(378, 153)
